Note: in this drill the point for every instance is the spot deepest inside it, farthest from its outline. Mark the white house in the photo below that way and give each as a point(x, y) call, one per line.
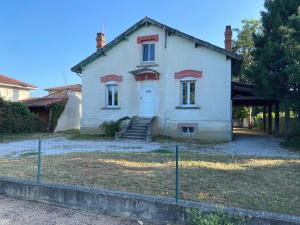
point(14, 90)
point(154, 71)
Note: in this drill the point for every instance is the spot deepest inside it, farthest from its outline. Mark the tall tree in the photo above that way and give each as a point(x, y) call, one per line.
point(244, 45)
point(275, 58)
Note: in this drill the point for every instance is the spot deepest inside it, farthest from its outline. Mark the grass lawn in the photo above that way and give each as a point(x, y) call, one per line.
point(271, 184)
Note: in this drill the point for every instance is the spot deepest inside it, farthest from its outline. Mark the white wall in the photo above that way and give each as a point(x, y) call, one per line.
point(13, 94)
point(213, 90)
point(70, 118)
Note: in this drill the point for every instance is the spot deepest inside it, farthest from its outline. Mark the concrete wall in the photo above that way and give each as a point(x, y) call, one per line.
point(134, 206)
point(213, 90)
point(13, 94)
point(70, 118)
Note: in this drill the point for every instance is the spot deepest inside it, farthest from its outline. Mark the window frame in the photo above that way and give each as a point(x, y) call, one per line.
point(190, 131)
point(115, 89)
point(142, 52)
point(188, 81)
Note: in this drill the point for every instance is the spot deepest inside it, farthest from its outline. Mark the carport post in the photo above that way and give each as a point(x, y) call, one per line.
point(264, 118)
point(270, 119)
point(277, 119)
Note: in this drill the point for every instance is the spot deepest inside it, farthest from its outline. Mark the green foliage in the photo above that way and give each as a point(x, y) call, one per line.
point(244, 45)
point(196, 218)
point(275, 68)
point(110, 128)
point(240, 112)
point(16, 118)
point(56, 111)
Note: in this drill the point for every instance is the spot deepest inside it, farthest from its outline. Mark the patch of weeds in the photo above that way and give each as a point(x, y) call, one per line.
point(27, 154)
point(164, 138)
point(219, 218)
point(89, 137)
point(162, 151)
point(292, 144)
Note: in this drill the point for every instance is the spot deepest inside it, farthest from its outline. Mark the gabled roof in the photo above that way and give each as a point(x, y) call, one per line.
point(72, 87)
point(7, 81)
point(148, 21)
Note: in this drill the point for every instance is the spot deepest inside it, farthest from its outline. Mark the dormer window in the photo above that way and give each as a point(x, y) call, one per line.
point(148, 52)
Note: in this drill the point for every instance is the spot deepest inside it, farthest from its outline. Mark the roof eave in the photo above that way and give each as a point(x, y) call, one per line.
point(78, 68)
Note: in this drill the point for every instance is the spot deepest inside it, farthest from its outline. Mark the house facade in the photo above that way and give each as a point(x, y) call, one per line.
point(14, 90)
point(152, 70)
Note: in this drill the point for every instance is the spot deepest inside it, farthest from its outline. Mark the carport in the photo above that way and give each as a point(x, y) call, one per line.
point(244, 95)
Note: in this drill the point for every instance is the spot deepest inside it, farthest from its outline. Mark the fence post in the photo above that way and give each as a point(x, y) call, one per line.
point(177, 175)
point(39, 161)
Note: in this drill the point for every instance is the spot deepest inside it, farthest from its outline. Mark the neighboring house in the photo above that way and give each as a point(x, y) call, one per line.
point(70, 95)
point(14, 90)
point(168, 81)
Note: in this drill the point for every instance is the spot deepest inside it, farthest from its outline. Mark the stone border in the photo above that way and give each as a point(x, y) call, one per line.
point(130, 205)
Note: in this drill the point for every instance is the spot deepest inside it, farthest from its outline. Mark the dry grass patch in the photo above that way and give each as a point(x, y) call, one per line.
point(270, 184)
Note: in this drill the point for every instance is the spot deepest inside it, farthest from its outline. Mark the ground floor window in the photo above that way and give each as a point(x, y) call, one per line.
point(187, 131)
point(187, 89)
point(111, 95)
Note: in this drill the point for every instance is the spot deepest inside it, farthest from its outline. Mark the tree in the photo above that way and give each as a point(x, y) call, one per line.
point(275, 68)
point(244, 45)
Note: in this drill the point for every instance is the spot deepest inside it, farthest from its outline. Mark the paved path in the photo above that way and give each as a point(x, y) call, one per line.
point(18, 212)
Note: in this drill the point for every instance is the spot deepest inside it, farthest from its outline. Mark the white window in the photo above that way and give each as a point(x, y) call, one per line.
point(111, 95)
point(148, 52)
point(187, 131)
point(187, 93)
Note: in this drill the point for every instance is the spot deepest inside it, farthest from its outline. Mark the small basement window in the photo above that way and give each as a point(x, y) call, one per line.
point(187, 131)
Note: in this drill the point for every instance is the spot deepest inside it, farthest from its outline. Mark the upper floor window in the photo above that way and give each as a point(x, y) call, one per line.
point(148, 52)
point(111, 95)
point(187, 93)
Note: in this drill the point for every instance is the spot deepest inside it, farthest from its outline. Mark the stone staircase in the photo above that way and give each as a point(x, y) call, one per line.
point(138, 129)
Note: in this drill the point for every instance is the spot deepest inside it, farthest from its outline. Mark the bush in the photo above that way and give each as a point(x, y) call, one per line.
point(16, 118)
point(56, 110)
point(110, 128)
point(196, 218)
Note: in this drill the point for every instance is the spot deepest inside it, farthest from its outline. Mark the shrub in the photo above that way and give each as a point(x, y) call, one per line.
point(16, 118)
point(110, 128)
point(196, 218)
point(56, 110)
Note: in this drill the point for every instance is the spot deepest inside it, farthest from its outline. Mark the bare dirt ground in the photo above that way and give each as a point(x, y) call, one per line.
point(18, 212)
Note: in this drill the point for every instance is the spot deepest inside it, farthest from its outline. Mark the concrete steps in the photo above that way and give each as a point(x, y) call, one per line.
point(138, 129)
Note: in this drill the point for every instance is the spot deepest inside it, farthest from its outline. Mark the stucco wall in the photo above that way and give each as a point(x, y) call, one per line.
point(70, 118)
point(13, 94)
point(213, 90)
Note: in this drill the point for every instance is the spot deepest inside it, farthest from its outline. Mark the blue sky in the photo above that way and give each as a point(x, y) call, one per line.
point(41, 40)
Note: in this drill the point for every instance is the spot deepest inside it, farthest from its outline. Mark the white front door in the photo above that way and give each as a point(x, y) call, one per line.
point(147, 101)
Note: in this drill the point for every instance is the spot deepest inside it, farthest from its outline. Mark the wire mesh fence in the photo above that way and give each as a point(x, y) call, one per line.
point(263, 183)
point(132, 166)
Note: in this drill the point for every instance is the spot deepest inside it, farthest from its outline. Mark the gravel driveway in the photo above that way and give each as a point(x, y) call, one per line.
point(246, 143)
point(62, 145)
point(18, 212)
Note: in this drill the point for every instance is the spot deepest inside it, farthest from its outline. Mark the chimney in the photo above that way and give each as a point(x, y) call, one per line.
point(228, 38)
point(100, 39)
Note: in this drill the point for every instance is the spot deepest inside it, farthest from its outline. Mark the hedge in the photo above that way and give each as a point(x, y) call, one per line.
point(16, 118)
